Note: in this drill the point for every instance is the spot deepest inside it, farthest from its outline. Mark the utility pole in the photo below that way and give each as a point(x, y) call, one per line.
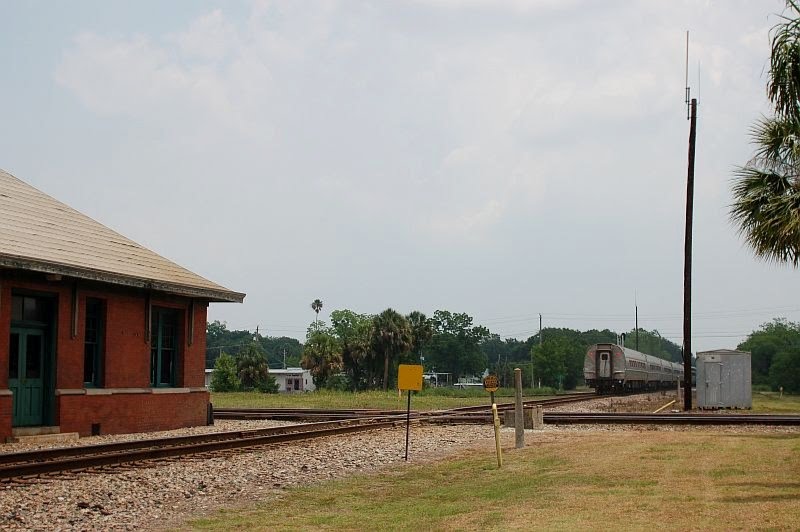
point(284, 358)
point(687, 265)
point(540, 328)
point(533, 378)
point(637, 327)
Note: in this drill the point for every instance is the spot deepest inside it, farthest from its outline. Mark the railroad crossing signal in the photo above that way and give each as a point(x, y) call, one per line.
point(491, 383)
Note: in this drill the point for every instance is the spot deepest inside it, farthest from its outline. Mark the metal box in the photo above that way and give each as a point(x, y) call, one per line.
point(723, 379)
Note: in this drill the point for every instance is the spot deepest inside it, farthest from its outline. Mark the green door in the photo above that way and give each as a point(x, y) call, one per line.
point(25, 376)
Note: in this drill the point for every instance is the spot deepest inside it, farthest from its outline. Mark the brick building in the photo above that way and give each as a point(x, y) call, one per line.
point(98, 335)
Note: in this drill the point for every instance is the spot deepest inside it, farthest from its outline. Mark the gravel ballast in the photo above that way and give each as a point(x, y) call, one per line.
point(164, 494)
point(159, 495)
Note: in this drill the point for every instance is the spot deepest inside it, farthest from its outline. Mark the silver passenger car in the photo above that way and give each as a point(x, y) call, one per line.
point(613, 368)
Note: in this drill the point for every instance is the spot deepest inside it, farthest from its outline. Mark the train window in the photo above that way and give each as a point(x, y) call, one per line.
point(604, 356)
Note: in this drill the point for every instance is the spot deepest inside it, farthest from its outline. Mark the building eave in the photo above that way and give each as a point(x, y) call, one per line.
point(210, 294)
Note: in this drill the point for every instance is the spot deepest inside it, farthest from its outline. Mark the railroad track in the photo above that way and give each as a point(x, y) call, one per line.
point(318, 414)
point(305, 414)
point(32, 463)
point(669, 418)
point(551, 401)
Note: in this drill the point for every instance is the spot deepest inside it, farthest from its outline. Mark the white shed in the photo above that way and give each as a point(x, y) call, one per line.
point(293, 380)
point(289, 379)
point(723, 379)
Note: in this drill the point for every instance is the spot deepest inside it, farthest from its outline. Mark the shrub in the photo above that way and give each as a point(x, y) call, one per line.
point(339, 382)
point(224, 378)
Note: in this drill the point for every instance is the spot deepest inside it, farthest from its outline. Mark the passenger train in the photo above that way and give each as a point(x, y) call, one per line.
point(610, 368)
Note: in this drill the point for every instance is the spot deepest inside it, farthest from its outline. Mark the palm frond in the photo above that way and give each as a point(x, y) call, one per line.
point(783, 86)
point(766, 210)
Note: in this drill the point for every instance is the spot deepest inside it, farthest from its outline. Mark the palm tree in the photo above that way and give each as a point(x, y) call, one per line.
point(322, 356)
point(392, 336)
point(316, 306)
point(421, 332)
point(766, 191)
point(253, 370)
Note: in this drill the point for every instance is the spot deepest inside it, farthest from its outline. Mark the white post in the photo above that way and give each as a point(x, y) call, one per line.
point(519, 420)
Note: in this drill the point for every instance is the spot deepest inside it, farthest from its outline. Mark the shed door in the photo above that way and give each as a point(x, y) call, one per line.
point(25, 376)
point(713, 372)
point(604, 364)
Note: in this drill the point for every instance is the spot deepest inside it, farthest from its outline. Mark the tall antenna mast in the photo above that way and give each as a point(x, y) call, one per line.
point(636, 307)
point(687, 265)
point(688, 106)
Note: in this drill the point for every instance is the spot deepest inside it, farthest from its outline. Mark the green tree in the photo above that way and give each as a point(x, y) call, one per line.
point(225, 378)
point(785, 371)
point(316, 306)
point(651, 343)
point(421, 334)
point(354, 333)
point(455, 346)
point(253, 370)
point(219, 338)
point(391, 336)
point(550, 360)
point(773, 348)
point(280, 349)
point(321, 355)
point(766, 190)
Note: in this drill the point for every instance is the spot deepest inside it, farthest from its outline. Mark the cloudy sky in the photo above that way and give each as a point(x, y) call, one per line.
point(503, 159)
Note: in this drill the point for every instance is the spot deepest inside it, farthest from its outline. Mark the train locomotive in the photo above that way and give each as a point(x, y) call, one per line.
point(610, 368)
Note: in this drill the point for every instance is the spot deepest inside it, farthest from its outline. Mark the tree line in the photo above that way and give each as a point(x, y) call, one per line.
point(775, 355)
point(219, 339)
point(358, 351)
point(362, 351)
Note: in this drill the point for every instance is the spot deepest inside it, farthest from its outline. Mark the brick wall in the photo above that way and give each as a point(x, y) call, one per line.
point(135, 412)
point(126, 359)
point(5, 417)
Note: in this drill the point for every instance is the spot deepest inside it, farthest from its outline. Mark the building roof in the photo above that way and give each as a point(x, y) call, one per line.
point(723, 352)
point(39, 233)
point(287, 371)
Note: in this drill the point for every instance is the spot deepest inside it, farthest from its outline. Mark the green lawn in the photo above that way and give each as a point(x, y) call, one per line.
point(763, 402)
point(426, 400)
point(629, 480)
point(773, 403)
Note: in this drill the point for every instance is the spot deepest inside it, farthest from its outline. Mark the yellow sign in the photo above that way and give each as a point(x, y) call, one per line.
point(490, 383)
point(409, 377)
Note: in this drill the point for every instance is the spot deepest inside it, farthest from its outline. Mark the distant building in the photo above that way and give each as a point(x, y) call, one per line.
point(289, 379)
point(98, 334)
point(437, 379)
point(293, 380)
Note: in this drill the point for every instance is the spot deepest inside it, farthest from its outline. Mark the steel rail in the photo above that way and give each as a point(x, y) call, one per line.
point(305, 414)
point(341, 414)
point(75, 458)
point(573, 398)
point(670, 419)
point(291, 415)
point(60, 452)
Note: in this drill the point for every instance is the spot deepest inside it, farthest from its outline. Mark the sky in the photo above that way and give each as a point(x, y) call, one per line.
point(500, 158)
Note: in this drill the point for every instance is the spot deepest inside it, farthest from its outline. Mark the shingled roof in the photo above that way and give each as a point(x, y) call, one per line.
point(42, 234)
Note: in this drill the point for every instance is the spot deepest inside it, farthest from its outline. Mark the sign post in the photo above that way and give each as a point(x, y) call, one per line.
point(409, 377)
point(490, 384)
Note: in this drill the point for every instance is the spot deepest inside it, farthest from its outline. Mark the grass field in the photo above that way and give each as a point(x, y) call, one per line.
point(763, 402)
point(372, 399)
point(773, 403)
point(629, 480)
